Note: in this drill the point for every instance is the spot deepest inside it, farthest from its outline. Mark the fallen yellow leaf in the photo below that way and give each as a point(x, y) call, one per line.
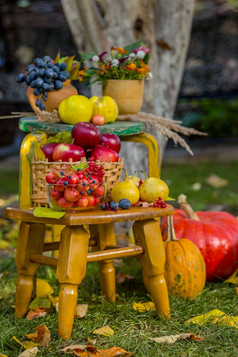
point(105, 331)
point(173, 338)
point(91, 351)
point(143, 307)
point(43, 289)
point(1, 355)
point(53, 299)
point(29, 353)
point(216, 181)
point(81, 310)
point(215, 316)
point(41, 336)
point(233, 279)
point(39, 302)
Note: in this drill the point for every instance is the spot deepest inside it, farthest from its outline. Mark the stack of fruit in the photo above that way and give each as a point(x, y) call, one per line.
point(133, 191)
point(73, 188)
point(87, 142)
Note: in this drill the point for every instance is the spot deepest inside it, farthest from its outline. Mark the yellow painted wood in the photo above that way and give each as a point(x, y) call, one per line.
point(153, 151)
point(106, 236)
point(71, 269)
point(29, 147)
point(73, 255)
point(147, 234)
point(30, 240)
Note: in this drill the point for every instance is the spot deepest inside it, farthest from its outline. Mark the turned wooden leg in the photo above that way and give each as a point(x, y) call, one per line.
point(30, 240)
point(147, 234)
point(105, 236)
point(71, 269)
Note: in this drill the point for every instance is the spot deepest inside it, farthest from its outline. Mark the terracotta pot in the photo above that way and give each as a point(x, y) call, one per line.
point(54, 98)
point(128, 94)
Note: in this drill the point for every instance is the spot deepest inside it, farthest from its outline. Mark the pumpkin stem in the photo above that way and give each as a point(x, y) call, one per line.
point(170, 232)
point(182, 200)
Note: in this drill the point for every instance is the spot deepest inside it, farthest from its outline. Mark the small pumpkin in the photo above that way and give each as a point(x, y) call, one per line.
point(214, 233)
point(185, 270)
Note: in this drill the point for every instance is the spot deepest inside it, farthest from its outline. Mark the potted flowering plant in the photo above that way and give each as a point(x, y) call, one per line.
point(121, 72)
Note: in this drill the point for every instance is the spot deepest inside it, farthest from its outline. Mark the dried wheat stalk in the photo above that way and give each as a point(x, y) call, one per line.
point(166, 126)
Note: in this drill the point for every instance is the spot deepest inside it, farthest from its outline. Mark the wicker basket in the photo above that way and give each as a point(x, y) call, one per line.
point(113, 172)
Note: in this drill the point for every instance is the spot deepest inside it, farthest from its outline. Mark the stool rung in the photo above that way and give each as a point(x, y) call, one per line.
point(48, 247)
point(94, 256)
point(115, 253)
point(39, 258)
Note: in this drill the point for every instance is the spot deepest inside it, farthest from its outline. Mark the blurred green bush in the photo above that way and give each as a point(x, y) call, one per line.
point(216, 117)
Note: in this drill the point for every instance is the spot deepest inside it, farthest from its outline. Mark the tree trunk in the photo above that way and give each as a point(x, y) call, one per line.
point(165, 27)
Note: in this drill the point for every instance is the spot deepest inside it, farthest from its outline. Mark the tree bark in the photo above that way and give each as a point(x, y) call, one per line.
point(165, 27)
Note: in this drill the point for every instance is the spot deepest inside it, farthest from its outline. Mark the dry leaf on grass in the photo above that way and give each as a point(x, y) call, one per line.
point(143, 307)
point(121, 277)
point(1, 355)
point(81, 310)
point(41, 336)
point(105, 331)
point(91, 351)
point(26, 344)
point(174, 338)
point(233, 279)
point(43, 289)
point(216, 181)
point(214, 316)
point(29, 353)
point(38, 312)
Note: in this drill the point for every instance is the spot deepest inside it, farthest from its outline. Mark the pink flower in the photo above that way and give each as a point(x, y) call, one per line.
point(142, 48)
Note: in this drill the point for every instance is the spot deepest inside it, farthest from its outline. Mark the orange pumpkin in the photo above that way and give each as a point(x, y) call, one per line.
point(185, 270)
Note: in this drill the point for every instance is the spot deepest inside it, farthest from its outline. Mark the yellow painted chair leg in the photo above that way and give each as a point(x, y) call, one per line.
point(30, 241)
point(147, 233)
point(71, 269)
point(105, 236)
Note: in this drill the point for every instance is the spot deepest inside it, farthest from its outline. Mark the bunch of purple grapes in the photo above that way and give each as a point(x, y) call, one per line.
point(44, 76)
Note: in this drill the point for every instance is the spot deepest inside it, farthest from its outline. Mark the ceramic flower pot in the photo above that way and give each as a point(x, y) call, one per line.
point(54, 98)
point(128, 94)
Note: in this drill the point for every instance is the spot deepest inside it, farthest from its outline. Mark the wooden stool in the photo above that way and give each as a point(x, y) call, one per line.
point(73, 255)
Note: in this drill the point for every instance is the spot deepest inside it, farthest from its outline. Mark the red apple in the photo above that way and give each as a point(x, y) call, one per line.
point(82, 202)
point(99, 191)
point(104, 154)
point(73, 179)
point(86, 135)
point(91, 201)
point(66, 151)
point(64, 204)
point(111, 141)
point(62, 184)
point(52, 177)
point(55, 194)
point(71, 194)
point(48, 150)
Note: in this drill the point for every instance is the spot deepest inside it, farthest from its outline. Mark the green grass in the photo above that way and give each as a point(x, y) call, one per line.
point(182, 177)
point(132, 329)
point(8, 182)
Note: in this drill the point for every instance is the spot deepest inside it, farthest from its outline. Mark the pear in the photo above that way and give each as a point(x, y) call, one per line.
point(152, 188)
point(125, 189)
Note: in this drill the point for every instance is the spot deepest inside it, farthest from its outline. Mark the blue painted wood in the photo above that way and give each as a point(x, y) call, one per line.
point(121, 128)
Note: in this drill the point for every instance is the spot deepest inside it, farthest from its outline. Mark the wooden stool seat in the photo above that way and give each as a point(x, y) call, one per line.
point(73, 255)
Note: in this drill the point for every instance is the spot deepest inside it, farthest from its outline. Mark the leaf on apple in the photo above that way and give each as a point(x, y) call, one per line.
point(81, 166)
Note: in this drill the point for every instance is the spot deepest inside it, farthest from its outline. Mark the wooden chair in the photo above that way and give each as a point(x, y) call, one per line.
point(73, 255)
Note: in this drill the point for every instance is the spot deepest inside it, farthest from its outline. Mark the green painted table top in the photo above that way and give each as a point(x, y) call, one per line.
point(32, 124)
